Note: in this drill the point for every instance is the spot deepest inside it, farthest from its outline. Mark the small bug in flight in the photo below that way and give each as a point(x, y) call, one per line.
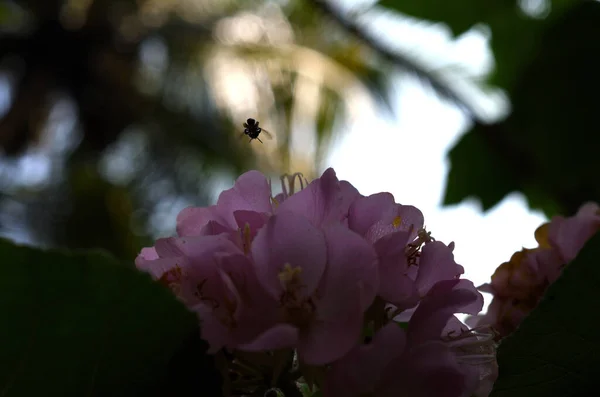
point(252, 129)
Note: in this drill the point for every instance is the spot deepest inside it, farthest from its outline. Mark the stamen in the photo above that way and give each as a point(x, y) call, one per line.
point(397, 222)
point(283, 187)
point(290, 276)
point(291, 181)
point(474, 347)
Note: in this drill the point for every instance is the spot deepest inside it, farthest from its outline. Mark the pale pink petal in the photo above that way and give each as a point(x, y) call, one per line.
point(202, 247)
point(251, 191)
point(328, 339)
point(569, 235)
point(435, 310)
point(435, 264)
point(211, 329)
point(291, 239)
point(148, 253)
point(280, 336)
point(191, 220)
point(239, 268)
point(589, 209)
point(396, 218)
point(212, 228)
point(395, 285)
point(366, 211)
point(157, 267)
point(254, 220)
point(351, 265)
point(167, 247)
point(320, 202)
point(411, 219)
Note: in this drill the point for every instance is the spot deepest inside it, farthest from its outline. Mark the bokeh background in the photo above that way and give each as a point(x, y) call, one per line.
point(116, 114)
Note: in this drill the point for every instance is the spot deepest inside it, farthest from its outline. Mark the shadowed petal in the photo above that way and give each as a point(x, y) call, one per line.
point(290, 239)
point(351, 264)
point(436, 263)
point(435, 310)
point(280, 336)
point(328, 339)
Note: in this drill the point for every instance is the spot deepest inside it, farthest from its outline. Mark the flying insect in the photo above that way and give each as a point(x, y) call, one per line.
point(252, 129)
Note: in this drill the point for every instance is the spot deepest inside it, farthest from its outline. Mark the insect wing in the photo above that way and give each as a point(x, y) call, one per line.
point(267, 135)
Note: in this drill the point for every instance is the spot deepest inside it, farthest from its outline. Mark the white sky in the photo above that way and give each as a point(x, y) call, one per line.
point(407, 157)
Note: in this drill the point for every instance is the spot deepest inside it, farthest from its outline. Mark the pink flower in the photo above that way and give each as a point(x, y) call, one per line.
point(323, 279)
point(309, 270)
point(213, 278)
point(435, 356)
point(519, 284)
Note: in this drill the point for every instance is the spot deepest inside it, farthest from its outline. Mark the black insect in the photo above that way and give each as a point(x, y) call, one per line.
point(252, 129)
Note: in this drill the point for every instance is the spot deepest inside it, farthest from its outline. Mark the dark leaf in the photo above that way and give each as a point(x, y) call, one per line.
point(458, 15)
point(475, 172)
point(556, 351)
point(548, 147)
point(87, 325)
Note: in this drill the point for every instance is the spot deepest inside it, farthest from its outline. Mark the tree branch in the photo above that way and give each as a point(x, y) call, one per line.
point(400, 60)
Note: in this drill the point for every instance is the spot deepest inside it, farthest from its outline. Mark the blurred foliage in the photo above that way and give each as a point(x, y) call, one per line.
point(116, 114)
point(554, 352)
point(547, 56)
point(87, 324)
point(548, 146)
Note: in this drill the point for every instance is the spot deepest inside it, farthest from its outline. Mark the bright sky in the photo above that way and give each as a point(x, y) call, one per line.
point(407, 157)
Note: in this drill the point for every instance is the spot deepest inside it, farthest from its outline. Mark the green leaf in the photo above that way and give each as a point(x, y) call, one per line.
point(88, 325)
point(548, 147)
point(460, 16)
point(474, 171)
point(556, 350)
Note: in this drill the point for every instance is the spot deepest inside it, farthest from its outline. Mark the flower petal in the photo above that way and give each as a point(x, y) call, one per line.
point(395, 284)
point(351, 265)
point(435, 264)
point(280, 336)
point(366, 211)
point(290, 239)
point(569, 235)
point(435, 310)
point(251, 191)
point(411, 219)
point(328, 339)
point(191, 220)
point(320, 202)
point(359, 371)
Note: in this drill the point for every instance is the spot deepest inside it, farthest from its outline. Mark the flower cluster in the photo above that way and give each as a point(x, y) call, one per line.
point(519, 284)
point(352, 285)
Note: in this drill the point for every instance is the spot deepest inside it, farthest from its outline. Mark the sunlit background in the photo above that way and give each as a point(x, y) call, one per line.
point(117, 114)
